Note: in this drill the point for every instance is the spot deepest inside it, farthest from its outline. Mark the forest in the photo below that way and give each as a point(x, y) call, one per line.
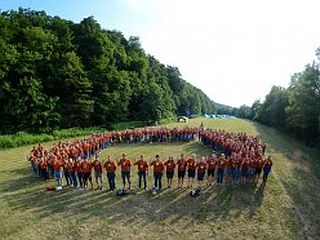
point(57, 74)
point(295, 109)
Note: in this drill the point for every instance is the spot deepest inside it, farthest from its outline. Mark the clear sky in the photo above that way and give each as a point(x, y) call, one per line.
point(234, 50)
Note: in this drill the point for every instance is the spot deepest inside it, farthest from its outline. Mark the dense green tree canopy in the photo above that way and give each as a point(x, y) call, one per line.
point(295, 109)
point(55, 73)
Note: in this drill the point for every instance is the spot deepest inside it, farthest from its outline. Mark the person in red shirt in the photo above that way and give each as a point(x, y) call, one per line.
point(201, 171)
point(79, 170)
point(221, 163)
point(228, 167)
point(244, 169)
point(158, 168)
point(97, 166)
point(125, 164)
point(111, 168)
point(182, 166)
point(142, 171)
point(87, 169)
point(33, 160)
point(211, 168)
point(191, 169)
point(170, 166)
point(73, 173)
point(259, 165)
point(67, 172)
point(267, 169)
point(57, 167)
point(43, 166)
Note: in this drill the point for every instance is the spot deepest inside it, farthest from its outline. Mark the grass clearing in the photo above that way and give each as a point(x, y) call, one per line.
point(285, 209)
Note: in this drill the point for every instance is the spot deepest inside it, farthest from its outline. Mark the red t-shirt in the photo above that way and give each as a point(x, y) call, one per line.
point(268, 163)
point(201, 167)
point(57, 165)
point(110, 166)
point(182, 165)
point(97, 166)
point(142, 165)
point(211, 163)
point(125, 165)
point(157, 166)
point(191, 163)
point(86, 167)
point(170, 166)
point(43, 164)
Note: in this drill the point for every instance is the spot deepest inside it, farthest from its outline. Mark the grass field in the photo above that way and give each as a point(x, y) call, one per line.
point(288, 207)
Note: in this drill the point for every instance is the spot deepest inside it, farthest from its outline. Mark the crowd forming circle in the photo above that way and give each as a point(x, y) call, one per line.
point(237, 158)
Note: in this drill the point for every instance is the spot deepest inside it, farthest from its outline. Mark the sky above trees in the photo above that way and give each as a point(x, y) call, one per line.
point(235, 51)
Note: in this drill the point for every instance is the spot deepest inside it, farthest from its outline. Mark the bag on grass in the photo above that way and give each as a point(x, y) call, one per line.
point(195, 193)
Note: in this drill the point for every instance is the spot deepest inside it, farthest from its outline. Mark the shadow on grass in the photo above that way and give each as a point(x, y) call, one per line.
point(216, 202)
point(300, 179)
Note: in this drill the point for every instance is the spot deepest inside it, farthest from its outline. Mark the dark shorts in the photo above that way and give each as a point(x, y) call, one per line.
point(211, 172)
point(191, 173)
point(258, 171)
point(201, 176)
point(87, 176)
point(57, 175)
point(181, 174)
point(170, 174)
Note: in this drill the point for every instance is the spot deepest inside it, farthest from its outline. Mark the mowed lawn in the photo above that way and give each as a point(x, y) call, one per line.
point(287, 208)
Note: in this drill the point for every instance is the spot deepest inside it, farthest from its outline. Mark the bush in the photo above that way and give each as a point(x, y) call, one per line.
point(23, 138)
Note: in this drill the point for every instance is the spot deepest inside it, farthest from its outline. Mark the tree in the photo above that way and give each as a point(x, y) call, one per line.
point(304, 104)
point(56, 73)
point(272, 111)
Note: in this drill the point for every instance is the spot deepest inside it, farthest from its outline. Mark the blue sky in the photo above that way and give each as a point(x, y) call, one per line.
point(109, 13)
point(233, 50)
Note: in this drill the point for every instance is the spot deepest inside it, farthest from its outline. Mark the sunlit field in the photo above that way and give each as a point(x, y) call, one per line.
point(287, 208)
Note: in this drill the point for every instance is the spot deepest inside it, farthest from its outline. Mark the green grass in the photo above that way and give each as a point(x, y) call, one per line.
point(23, 138)
point(286, 209)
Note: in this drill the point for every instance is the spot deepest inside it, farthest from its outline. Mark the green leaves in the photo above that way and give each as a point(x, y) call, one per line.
point(56, 73)
point(295, 109)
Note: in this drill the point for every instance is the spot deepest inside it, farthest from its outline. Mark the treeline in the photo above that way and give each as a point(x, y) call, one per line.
point(55, 73)
point(295, 109)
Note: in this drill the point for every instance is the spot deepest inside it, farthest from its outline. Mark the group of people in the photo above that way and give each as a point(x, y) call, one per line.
point(237, 158)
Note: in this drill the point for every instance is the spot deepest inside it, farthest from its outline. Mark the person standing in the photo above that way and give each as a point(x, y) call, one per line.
point(43, 166)
point(267, 168)
point(32, 159)
point(142, 171)
point(97, 166)
point(111, 168)
point(201, 171)
point(170, 166)
point(191, 169)
point(158, 168)
point(57, 167)
point(182, 166)
point(87, 170)
point(125, 164)
point(74, 173)
point(221, 162)
point(79, 170)
point(211, 168)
